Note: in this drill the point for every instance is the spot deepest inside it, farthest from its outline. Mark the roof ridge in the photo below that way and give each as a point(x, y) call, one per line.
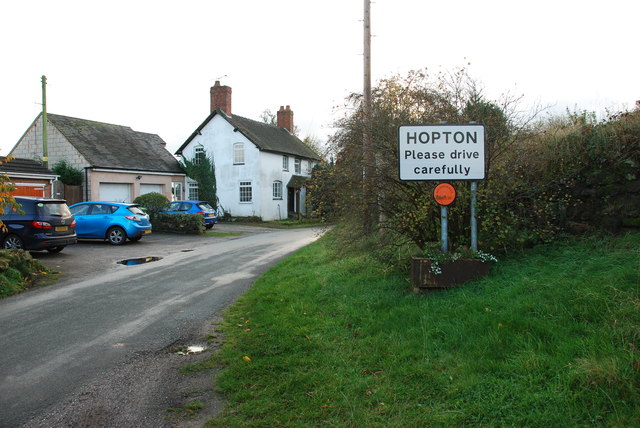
point(92, 121)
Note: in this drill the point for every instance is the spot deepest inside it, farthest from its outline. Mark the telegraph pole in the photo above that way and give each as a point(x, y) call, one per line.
point(45, 150)
point(367, 149)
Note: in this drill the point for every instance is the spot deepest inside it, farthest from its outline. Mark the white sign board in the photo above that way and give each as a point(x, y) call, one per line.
point(441, 152)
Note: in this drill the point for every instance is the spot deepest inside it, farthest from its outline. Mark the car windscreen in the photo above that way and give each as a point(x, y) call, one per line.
point(57, 209)
point(136, 210)
point(205, 206)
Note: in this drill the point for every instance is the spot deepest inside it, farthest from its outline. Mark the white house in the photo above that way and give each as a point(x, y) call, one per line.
point(260, 168)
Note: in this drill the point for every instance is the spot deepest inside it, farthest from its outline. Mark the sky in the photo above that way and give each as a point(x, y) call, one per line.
point(149, 64)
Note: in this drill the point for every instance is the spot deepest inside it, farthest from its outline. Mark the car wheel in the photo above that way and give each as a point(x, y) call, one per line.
point(116, 236)
point(12, 242)
point(54, 250)
point(208, 226)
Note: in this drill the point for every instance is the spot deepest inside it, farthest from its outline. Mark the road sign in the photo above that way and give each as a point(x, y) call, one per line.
point(441, 152)
point(444, 194)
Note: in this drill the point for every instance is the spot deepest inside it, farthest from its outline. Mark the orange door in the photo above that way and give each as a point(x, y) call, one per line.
point(29, 191)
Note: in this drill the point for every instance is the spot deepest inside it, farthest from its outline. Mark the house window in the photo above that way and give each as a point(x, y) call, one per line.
point(176, 191)
point(199, 155)
point(277, 189)
point(193, 191)
point(238, 154)
point(285, 163)
point(245, 191)
point(297, 166)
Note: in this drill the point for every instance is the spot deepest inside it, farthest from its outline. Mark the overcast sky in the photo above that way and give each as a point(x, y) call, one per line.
point(149, 64)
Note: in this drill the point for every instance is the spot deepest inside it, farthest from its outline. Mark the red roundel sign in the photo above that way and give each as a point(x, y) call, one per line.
point(444, 194)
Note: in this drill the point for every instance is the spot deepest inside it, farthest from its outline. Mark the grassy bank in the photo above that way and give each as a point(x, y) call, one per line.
point(552, 338)
point(19, 272)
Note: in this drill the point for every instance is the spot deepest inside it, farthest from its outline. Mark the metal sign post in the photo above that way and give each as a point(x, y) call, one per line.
point(444, 194)
point(444, 228)
point(474, 221)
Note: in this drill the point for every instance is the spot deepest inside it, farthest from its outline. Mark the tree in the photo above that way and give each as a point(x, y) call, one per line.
point(269, 117)
point(68, 174)
point(7, 201)
point(202, 170)
point(322, 189)
point(408, 207)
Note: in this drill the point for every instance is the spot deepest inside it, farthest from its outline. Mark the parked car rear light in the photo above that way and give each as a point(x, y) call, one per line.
point(73, 223)
point(41, 225)
point(132, 217)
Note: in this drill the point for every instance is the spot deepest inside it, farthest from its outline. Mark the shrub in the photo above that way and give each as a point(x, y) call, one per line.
point(180, 223)
point(68, 174)
point(18, 271)
point(153, 202)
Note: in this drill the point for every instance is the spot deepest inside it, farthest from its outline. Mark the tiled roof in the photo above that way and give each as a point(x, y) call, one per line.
point(105, 145)
point(266, 137)
point(23, 166)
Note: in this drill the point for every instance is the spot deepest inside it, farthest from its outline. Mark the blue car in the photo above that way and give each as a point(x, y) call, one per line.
point(195, 207)
point(113, 221)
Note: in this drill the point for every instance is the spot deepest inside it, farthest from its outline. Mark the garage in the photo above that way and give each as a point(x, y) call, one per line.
point(24, 189)
point(149, 188)
point(115, 192)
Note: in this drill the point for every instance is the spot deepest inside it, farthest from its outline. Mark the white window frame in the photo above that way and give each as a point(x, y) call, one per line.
point(176, 190)
point(193, 192)
point(297, 168)
point(245, 192)
point(238, 154)
point(285, 163)
point(277, 189)
point(199, 155)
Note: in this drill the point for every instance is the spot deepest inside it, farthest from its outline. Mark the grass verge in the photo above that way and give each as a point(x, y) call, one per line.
point(19, 272)
point(551, 338)
point(213, 233)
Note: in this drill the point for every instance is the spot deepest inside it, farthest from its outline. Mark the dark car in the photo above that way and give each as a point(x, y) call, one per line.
point(195, 207)
point(112, 221)
point(45, 224)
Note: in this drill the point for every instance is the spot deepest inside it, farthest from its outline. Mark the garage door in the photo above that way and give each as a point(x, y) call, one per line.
point(28, 190)
point(115, 192)
point(148, 188)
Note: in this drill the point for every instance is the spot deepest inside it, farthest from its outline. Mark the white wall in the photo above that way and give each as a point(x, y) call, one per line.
point(261, 168)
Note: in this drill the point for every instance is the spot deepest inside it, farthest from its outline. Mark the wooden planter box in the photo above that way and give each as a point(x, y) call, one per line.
point(453, 273)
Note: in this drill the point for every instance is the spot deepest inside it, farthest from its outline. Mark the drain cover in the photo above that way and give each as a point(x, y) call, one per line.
point(139, 261)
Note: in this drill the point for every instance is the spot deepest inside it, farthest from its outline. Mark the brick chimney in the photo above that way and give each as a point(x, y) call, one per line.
point(221, 98)
point(285, 118)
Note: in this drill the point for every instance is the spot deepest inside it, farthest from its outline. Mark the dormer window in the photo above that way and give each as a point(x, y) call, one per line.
point(285, 163)
point(297, 166)
point(238, 154)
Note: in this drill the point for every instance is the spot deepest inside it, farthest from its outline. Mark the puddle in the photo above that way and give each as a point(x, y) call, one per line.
point(190, 350)
point(139, 261)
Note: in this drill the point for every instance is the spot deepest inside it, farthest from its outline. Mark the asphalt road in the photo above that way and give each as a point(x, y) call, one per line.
point(56, 340)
